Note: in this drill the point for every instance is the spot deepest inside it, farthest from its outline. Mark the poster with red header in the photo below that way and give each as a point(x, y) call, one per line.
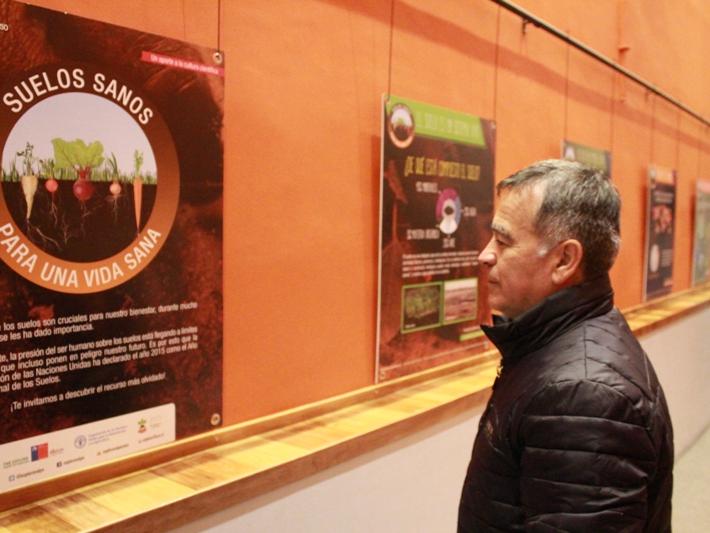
point(436, 209)
point(110, 241)
point(660, 232)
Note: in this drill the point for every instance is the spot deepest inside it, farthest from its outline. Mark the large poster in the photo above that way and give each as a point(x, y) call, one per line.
point(592, 157)
point(660, 227)
point(701, 239)
point(436, 208)
point(110, 241)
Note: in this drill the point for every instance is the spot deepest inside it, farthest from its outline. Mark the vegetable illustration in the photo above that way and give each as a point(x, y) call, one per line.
point(137, 187)
point(115, 187)
point(82, 158)
point(72, 195)
point(29, 188)
point(48, 170)
point(51, 185)
point(28, 179)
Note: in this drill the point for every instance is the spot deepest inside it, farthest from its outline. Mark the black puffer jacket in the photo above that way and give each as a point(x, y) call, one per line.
point(576, 436)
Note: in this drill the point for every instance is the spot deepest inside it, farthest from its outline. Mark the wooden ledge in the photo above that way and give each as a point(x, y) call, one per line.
point(211, 472)
point(649, 316)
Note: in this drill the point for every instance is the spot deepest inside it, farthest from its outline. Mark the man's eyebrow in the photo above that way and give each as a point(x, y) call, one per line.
point(500, 230)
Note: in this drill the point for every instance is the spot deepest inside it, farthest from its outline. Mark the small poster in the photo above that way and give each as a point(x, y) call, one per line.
point(660, 227)
point(110, 241)
point(701, 236)
point(592, 157)
point(436, 209)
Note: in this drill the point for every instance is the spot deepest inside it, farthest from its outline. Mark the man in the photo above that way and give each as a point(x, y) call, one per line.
point(576, 435)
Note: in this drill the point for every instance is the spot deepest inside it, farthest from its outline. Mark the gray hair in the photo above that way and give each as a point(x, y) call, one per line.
point(579, 203)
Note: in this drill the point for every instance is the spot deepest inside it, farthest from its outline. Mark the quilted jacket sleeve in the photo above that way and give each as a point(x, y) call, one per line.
point(586, 458)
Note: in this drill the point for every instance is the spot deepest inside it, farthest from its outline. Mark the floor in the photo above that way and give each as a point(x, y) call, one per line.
point(691, 490)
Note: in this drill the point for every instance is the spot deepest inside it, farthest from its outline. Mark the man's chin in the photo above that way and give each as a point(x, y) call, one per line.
point(495, 306)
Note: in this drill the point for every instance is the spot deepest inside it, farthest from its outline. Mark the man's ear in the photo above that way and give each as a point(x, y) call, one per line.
point(567, 270)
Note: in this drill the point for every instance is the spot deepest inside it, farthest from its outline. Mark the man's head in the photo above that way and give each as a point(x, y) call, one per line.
point(556, 225)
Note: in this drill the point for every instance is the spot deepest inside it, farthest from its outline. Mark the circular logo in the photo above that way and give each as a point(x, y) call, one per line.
point(80, 441)
point(448, 211)
point(400, 126)
point(90, 179)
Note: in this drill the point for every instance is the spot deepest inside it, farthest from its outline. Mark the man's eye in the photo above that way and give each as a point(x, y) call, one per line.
point(500, 242)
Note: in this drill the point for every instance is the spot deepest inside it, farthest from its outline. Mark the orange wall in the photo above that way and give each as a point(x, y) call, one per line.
point(302, 119)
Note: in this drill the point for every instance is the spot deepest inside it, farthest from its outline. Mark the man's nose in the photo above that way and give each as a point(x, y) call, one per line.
point(488, 256)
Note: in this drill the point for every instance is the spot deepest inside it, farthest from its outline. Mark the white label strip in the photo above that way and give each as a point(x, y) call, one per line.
point(37, 458)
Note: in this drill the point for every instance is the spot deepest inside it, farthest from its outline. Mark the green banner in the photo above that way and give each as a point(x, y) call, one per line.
point(441, 123)
point(593, 157)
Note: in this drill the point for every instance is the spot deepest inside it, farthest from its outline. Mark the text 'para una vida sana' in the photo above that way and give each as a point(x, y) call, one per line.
point(14, 249)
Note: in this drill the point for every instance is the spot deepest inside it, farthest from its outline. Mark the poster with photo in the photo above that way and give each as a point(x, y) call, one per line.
point(592, 157)
point(701, 235)
point(660, 227)
point(110, 241)
point(436, 209)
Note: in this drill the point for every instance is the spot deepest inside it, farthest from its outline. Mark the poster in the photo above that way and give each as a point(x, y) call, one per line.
point(592, 157)
point(660, 226)
point(436, 209)
point(701, 235)
point(110, 242)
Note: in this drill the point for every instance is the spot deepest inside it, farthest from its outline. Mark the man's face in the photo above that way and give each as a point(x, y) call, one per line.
point(519, 267)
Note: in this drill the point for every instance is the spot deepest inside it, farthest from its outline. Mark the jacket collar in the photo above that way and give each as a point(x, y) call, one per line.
point(555, 315)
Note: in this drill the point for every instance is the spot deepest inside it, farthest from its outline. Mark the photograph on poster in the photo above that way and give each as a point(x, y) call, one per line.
point(110, 242)
point(436, 208)
point(701, 235)
point(660, 228)
point(460, 300)
point(421, 306)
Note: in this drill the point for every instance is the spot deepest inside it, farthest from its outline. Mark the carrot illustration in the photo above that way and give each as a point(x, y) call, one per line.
point(138, 187)
point(28, 180)
point(29, 188)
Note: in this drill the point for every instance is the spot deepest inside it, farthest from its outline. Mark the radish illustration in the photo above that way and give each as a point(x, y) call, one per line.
point(51, 184)
point(48, 171)
point(115, 187)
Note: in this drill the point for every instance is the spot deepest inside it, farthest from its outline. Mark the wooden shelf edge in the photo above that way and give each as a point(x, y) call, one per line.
point(662, 304)
point(212, 500)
